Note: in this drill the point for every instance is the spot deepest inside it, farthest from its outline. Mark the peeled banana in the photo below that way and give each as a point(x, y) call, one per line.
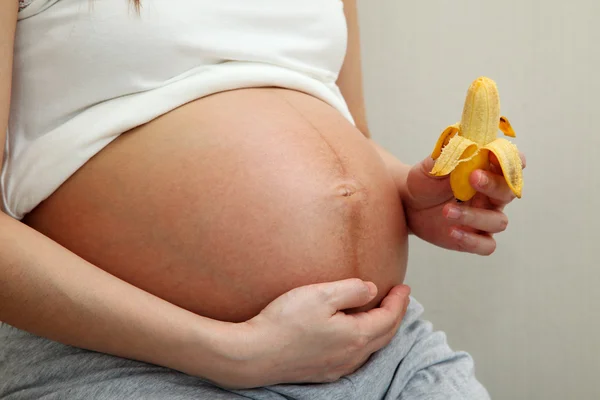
point(465, 146)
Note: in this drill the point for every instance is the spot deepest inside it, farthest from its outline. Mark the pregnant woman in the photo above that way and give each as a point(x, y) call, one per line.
point(194, 209)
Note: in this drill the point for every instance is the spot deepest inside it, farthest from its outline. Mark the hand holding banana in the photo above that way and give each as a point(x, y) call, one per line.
point(472, 165)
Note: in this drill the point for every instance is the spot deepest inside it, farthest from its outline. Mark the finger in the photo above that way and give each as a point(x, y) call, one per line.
point(385, 339)
point(492, 185)
point(481, 201)
point(348, 293)
point(383, 321)
point(491, 221)
point(471, 242)
point(425, 190)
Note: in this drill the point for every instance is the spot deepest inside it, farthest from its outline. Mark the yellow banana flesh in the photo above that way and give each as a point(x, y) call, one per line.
point(459, 178)
point(464, 147)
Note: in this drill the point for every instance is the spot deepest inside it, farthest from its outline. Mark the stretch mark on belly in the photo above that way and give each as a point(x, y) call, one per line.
point(339, 163)
point(354, 203)
point(353, 206)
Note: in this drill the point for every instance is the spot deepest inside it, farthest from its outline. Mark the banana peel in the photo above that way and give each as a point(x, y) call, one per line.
point(465, 146)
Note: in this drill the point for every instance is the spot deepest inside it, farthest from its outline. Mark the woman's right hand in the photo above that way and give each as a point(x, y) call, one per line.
point(302, 336)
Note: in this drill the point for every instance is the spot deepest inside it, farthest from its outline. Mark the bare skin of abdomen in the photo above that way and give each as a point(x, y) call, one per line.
point(229, 201)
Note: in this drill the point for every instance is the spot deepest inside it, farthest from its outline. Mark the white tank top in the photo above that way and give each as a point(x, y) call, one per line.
point(86, 71)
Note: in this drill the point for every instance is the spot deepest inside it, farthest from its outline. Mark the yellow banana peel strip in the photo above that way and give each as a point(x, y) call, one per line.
point(510, 162)
point(506, 128)
point(444, 139)
point(453, 154)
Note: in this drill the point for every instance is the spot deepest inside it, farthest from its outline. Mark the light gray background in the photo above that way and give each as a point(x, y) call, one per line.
point(529, 313)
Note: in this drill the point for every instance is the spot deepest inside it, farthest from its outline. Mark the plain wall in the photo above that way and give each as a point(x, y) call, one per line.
point(529, 314)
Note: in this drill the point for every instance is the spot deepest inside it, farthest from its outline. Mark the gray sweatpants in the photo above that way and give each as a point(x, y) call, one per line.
point(417, 364)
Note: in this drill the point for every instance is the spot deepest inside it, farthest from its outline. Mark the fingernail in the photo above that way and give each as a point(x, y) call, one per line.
point(454, 212)
point(483, 180)
point(404, 290)
point(372, 288)
point(457, 234)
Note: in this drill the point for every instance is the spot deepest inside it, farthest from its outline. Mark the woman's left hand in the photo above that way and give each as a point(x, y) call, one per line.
point(433, 214)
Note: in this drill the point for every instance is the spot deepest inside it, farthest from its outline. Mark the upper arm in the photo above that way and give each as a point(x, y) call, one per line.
point(8, 23)
point(350, 79)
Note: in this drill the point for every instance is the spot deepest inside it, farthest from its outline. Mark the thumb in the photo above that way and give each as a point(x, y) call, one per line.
point(348, 293)
point(425, 190)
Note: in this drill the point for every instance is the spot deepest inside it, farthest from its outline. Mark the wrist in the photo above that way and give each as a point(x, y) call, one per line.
point(399, 173)
point(226, 354)
point(397, 169)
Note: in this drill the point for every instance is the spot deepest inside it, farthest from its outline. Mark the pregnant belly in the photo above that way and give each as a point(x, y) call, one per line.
point(226, 203)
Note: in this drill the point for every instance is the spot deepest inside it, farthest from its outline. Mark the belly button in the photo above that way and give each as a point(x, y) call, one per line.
point(347, 189)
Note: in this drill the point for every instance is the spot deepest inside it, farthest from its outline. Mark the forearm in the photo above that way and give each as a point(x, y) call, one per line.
point(51, 292)
point(398, 170)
